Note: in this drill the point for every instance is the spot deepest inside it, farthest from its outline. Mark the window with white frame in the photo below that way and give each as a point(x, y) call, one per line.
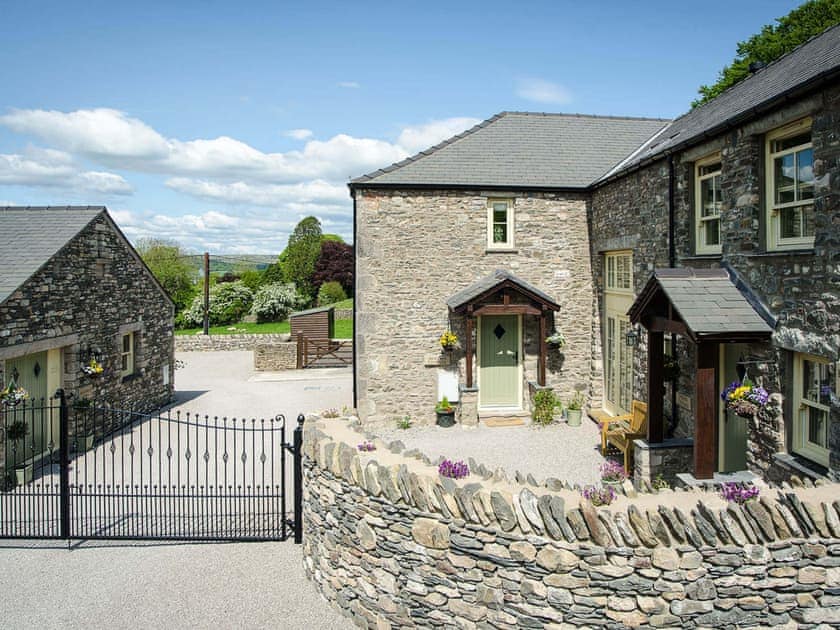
point(619, 272)
point(790, 187)
point(707, 204)
point(127, 354)
point(814, 389)
point(500, 224)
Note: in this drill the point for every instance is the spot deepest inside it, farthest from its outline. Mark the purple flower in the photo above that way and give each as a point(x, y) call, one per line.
point(759, 396)
point(367, 446)
point(453, 470)
point(738, 493)
point(599, 496)
point(611, 470)
point(724, 395)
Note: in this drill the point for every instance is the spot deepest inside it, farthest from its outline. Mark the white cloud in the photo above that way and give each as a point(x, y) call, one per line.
point(299, 134)
point(543, 91)
point(419, 137)
point(56, 169)
point(352, 85)
point(112, 138)
point(244, 193)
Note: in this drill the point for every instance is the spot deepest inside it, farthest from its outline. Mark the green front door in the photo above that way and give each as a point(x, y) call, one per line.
point(30, 372)
point(733, 429)
point(498, 378)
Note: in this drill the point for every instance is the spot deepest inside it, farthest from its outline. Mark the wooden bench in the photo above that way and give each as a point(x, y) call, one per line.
point(620, 431)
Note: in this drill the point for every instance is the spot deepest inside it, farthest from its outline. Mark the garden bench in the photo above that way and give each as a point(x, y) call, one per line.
point(620, 431)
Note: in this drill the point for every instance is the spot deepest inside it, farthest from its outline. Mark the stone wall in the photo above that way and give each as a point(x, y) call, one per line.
point(415, 249)
point(661, 461)
point(393, 545)
point(86, 297)
point(271, 357)
point(798, 288)
point(209, 343)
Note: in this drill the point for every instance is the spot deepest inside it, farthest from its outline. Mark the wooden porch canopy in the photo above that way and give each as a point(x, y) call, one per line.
point(708, 308)
point(502, 293)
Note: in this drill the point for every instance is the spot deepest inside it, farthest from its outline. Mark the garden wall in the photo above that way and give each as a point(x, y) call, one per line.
point(392, 544)
point(205, 343)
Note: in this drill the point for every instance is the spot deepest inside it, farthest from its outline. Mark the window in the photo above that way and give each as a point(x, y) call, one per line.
point(500, 224)
point(707, 203)
point(790, 187)
point(814, 383)
point(619, 267)
point(127, 354)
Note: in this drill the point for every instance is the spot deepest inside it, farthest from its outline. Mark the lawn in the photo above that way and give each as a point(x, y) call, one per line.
point(343, 329)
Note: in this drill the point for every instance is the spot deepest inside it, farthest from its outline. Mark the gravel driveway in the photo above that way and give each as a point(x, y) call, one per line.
point(166, 585)
point(568, 453)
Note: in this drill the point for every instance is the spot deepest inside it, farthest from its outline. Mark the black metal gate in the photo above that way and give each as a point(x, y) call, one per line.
point(85, 471)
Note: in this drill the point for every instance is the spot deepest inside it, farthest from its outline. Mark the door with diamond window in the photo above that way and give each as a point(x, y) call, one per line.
point(499, 381)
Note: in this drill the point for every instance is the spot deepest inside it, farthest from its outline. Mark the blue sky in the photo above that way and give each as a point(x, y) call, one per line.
point(221, 125)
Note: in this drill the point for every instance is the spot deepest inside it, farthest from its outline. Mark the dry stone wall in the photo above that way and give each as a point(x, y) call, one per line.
point(207, 343)
point(391, 544)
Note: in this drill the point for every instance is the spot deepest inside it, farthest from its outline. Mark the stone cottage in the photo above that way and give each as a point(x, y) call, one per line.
point(74, 291)
point(675, 257)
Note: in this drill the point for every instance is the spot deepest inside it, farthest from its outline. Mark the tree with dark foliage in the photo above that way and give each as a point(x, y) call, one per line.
point(335, 263)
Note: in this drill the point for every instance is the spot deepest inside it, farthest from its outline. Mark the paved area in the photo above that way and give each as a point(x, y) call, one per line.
point(165, 585)
point(568, 453)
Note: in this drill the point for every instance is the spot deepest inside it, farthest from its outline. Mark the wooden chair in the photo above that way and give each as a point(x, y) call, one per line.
point(620, 431)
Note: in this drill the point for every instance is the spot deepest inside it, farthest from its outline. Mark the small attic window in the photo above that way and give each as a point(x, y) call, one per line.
point(500, 224)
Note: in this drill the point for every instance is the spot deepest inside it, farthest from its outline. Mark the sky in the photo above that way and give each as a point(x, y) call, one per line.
point(220, 125)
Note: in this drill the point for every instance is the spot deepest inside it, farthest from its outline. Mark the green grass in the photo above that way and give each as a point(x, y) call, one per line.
point(343, 329)
point(348, 303)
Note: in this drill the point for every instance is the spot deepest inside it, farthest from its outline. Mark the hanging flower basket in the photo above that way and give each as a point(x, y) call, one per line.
point(93, 368)
point(744, 399)
point(448, 340)
point(556, 340)
point(13, 395)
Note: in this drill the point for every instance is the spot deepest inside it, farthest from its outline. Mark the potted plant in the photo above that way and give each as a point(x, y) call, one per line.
point(744, 399)
point(16, 431)
point(545, 402)
point(445, 413)
point(448, 340)
point(574, 410)
point(556, 340)
point(612, 473)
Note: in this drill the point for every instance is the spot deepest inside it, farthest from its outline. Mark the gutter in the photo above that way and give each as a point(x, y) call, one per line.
point(495, 187)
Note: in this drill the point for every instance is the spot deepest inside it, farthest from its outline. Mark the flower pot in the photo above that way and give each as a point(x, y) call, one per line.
point(445, 418)
point(573, 417)
point(23, 474)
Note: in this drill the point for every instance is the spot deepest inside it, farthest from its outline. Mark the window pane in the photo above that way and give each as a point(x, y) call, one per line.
point(784, 171)
point(126, 343)
point(710, 196)
point(792, 141)
point(124, 363)
point(808, 220)
point(500, 216)
point(810, 380)
point(805, 173)
point(711, 232)
point(500, 206)
point(500, 233)
point(790, 222)
point(710, 168)
point(818, 427)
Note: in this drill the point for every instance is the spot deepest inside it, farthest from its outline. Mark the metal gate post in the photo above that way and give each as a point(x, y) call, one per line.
point(64, 465)
point(298, 481)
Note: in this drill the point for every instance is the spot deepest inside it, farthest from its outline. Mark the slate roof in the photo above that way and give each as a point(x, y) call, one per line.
point(706, 300)
point(487, 283)
point(810, 64)
point(522, 150)
point(30, 236)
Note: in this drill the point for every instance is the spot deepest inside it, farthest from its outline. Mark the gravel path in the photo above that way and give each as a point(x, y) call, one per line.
point(236, 585)
point(567, 453)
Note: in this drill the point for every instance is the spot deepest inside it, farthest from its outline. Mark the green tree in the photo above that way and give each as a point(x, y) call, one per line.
point(810, 19)
point(171, 267)
point(298, 259)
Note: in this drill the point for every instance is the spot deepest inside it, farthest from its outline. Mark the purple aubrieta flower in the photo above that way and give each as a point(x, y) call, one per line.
point(453, 470)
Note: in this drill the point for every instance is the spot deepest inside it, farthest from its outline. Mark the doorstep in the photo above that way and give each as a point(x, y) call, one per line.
point(503, 416)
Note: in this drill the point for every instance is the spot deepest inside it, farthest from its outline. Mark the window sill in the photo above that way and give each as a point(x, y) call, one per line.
point(501, 250)
point(716, 256)
point(782, 252)
point(129, 377)
point(801, 465)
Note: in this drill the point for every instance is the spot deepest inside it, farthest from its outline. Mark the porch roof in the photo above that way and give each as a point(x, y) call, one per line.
point(496, 281)
point(703, 304)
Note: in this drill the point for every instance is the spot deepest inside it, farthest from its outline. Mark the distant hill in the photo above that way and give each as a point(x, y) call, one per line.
point(238, 262)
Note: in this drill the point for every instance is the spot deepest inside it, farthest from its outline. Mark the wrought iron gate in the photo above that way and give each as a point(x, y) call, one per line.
point(100, 472)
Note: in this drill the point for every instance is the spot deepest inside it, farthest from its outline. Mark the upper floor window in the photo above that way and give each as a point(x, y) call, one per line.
point(127, 354)
point(619, 271)
point(500, 224)
point(707, 203)
point(790, 187)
